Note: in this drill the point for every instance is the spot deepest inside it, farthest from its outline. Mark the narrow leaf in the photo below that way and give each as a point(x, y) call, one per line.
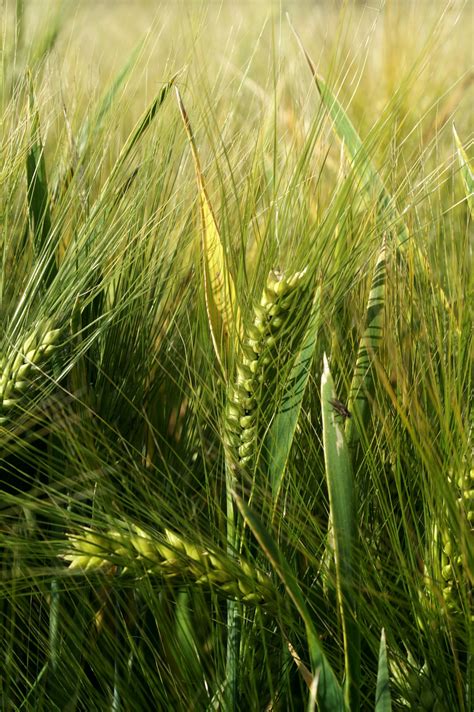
point(283, 428)
point(37, 196)
point(370, 181)
point(107, 101)
point(363, 378)
point(383, 701)
point(143, 124)
point(343, 521)
point(91, 125)
point(221, 303)
point(371, 184)
point(329, 692)
point(467, 172)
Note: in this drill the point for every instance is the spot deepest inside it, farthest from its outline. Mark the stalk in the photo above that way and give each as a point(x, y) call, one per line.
point(257, 371)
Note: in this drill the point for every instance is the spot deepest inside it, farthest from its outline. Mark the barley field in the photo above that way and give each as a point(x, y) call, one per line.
point(236, 356)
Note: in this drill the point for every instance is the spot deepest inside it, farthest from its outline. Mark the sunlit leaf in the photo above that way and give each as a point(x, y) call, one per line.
point(383, 700)
point(221, 303)
point(283, 428)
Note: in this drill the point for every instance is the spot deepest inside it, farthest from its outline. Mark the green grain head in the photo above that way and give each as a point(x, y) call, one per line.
point(169, 557)
point(20, 368)
point(264, 348)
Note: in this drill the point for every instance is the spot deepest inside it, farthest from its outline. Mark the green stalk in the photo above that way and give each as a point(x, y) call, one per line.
point(245, 418)
point(233, 607)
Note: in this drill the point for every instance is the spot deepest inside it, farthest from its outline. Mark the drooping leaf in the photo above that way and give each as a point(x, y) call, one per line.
point(467, 172)
point(344, 531)
point(224, 323)
point(221, 302)
point(329, 692)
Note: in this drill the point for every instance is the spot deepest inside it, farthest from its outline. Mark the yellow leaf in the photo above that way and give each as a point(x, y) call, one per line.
point(221, 304)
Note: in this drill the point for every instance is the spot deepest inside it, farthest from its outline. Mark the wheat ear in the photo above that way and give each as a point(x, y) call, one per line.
point(419, 690)
point(17, 369)
point(453, 558)
point(168, 557)
point(257, 365)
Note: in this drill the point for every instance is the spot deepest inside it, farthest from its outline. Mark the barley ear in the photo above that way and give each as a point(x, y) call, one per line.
point(455, 567)
point(169, 557)
point(19, 368)
point(257, 367)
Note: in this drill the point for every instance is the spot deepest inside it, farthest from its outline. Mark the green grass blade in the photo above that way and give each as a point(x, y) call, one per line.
point(282, 431)
point(362, 385)
point(44, 43)
point(92, 125)
point(467, 172)
point(141, 127)
point(37, 196)
point(330, 697)
point(371, 184)
point(107, 101)
point(370, 181)
point(343, 520)
point(383, 700)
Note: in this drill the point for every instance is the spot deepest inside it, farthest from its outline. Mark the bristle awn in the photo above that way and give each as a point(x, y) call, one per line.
point(369, 181)
point(90, 128)
point(126, 152)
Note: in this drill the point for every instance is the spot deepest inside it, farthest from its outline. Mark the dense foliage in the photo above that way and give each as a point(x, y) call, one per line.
point(236, 357)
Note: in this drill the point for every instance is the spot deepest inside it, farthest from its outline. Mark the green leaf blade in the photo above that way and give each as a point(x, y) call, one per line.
point(362, 385)
point(329, 692)
point(343, 520)
point(282, 431)
point(383, 700)
point(38, 197)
